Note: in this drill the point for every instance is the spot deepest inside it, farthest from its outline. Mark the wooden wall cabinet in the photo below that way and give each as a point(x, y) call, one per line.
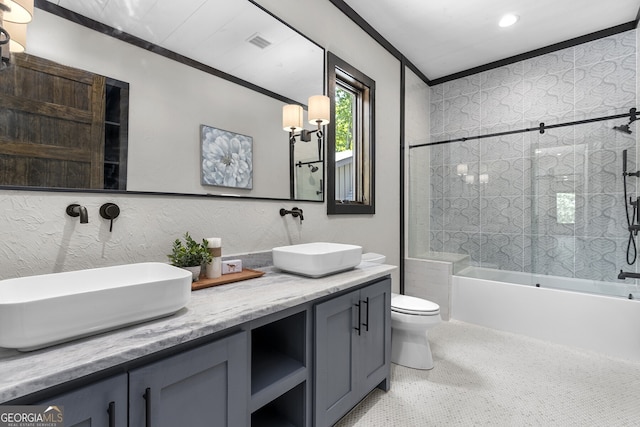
point(62, 127)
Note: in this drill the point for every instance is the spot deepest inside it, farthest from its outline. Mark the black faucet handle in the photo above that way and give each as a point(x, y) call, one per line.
point(110, 211)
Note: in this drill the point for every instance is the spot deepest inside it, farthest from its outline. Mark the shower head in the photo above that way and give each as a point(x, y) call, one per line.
point(313, 168)
point(623, 128)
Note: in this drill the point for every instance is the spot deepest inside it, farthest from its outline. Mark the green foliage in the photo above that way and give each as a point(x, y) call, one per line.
point(344, 120)
point(191, 254)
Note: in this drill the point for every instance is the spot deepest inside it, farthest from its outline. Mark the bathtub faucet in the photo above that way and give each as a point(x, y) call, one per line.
point(624, 274)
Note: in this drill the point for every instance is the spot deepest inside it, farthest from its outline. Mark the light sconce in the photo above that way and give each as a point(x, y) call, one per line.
point(292, 118)
point(484, 178)
point(14, 17)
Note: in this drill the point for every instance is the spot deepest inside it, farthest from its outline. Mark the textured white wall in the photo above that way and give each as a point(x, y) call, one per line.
point(37, 236)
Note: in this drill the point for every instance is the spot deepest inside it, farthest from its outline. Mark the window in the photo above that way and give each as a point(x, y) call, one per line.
point(350, 140)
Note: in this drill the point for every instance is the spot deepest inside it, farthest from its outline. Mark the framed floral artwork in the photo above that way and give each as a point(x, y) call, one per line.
point(226, 158)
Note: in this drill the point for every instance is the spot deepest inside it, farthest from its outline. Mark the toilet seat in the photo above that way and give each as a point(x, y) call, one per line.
point(414, 306)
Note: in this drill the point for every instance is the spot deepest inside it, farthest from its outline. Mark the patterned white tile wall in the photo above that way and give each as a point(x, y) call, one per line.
point(518, 219)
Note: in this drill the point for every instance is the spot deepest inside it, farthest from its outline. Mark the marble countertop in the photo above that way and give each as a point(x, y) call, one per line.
point(210, 310)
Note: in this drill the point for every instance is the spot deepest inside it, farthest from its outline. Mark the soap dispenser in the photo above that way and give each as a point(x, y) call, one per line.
point(214, 267)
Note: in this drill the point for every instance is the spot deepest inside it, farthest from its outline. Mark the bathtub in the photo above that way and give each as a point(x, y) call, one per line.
point(512, 302)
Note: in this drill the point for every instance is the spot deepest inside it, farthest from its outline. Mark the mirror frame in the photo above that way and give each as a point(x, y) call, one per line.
point(143, 44)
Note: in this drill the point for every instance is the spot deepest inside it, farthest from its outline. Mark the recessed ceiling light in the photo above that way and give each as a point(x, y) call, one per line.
point(508, 20)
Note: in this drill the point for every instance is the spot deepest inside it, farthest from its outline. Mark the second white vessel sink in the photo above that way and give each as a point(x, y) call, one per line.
point(39, 311)
point(317, 259)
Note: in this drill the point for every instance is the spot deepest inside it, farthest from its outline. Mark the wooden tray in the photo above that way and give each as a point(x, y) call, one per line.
point(245, 274)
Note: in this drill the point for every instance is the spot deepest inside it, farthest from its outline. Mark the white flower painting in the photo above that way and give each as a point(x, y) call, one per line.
point(227, 158)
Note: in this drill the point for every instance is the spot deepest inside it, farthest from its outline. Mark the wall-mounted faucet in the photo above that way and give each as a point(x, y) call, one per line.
point(75, 210)
point(628, 275)
point(295, 212)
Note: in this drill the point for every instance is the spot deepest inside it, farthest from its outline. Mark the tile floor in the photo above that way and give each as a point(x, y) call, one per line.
point(487, 377)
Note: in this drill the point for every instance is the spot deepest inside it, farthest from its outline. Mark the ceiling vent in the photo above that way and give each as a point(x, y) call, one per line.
point(259, 41)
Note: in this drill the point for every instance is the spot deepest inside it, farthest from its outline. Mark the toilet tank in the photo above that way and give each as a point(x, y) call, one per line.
point(373, 257)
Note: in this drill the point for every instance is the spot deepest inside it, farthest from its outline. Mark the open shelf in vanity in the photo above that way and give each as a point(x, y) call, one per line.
point(287, 410)
point(279, 371)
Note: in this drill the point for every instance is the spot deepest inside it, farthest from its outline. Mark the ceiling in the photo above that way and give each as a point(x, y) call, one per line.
point(217, 33)
point(439, 37)
point(444, 37)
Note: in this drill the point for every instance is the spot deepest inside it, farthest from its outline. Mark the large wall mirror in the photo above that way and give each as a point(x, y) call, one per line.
point(193, 72)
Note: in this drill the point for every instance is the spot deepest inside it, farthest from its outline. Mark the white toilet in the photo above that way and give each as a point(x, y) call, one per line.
point(411, 318)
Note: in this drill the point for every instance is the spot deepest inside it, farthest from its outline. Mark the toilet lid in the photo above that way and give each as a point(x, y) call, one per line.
point(412, 305)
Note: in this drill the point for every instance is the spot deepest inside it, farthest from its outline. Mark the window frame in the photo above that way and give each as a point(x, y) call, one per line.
point(340, 73)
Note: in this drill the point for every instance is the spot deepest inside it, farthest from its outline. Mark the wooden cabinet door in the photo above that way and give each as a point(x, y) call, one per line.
point(335, 347)
point(102, 404)
point(374, 359)
point(203, 387)
point(51, 125)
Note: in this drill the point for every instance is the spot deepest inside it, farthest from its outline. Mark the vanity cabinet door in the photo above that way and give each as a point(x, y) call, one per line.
point(335, 347)
point(102, 404)
point(374, 361)
point(352, 350)
point(206, 386)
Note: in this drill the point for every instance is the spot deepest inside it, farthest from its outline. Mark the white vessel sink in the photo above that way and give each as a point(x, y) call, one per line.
point(39, 311)
point(317, 259)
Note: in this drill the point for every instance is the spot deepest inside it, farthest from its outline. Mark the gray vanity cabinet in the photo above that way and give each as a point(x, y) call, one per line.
point(206, 386)
point(352, 349)
point(101, 404)
point(306, 365)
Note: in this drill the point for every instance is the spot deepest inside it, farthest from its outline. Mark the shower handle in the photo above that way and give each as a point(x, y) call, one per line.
point(624, 166)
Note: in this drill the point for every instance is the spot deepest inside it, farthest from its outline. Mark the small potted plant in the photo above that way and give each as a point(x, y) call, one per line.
point(191, 255)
